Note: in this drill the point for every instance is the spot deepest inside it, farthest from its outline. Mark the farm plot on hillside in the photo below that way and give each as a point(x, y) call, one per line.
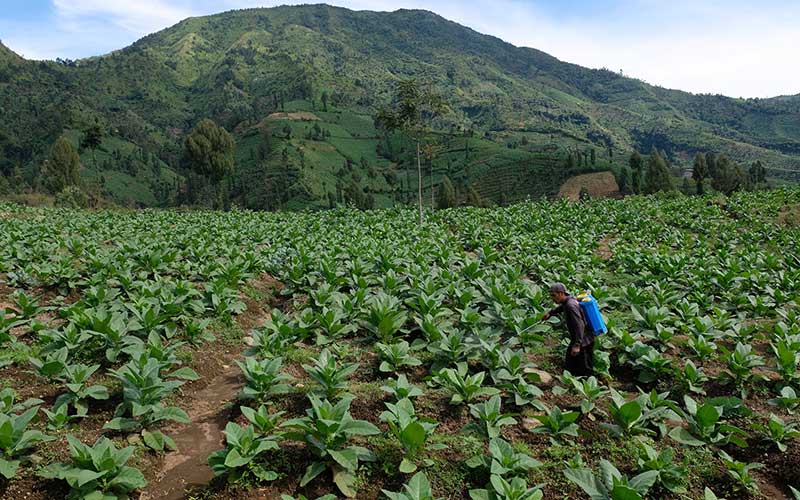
point(358, 354)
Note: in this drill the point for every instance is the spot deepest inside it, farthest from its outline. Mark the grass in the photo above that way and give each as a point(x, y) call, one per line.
point(227, 331)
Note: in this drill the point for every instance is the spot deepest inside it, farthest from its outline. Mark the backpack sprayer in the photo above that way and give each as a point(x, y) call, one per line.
point(591, 312)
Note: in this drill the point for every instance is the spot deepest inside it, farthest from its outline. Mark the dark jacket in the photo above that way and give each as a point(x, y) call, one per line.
point(579, 335)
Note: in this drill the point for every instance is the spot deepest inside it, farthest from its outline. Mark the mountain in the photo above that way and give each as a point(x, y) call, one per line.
point(262, 73)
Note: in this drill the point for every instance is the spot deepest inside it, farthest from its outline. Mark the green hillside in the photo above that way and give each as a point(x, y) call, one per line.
point(514, 113)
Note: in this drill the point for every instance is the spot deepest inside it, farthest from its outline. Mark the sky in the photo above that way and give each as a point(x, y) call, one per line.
point(738, 48)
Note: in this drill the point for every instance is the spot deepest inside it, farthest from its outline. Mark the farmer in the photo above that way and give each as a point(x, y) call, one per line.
point(579, 358)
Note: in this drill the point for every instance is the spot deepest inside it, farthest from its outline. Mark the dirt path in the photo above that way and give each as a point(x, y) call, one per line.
point(188, 467)
point(209, 409)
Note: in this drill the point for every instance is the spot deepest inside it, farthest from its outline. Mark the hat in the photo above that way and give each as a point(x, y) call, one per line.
point(558, 288)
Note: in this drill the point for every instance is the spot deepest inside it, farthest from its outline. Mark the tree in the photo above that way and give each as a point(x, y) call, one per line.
point(325, 101)
point(92, 138)
point(624, 180)
point(584, 195)
point(711, 162)
point(474, 198)
point(209, 152)
point(355, 194)
point(686, 187)
point(431, 151)
point(410, 112)
point(700, 171)
point(636, 163)
point(758, 174)
point(569, 163)
point(265, 146)
point(447, 194)
point(593, 156)
point(62, 167)
point(658, 178)
point(730, 176)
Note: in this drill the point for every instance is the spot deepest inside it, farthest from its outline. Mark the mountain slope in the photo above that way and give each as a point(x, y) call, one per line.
point(525, 109)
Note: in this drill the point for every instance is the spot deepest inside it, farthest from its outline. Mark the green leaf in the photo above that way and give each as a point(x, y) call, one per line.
point(158, 441)
point(586, 480)
point(8, 468)
point(630, 412)
point(97, 392)
point(312, 471)
point(235, 459)
point(121, 424)
point(707, 415)
point(644, 481)
point(83, 476)
point(175, 414)
point(683, 436)
point(345, 481)
point(413, 436)
point(347, 458)
point(129, 478)
point(264, 474)
point(480, 494)
point(360, 428)
point(185, 373)
point(625, 493)
point(407, 466)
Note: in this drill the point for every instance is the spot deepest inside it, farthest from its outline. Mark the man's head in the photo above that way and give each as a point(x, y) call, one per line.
point(558, 292)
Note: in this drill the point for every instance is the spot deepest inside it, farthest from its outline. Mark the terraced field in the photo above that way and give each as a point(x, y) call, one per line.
point(167, 354)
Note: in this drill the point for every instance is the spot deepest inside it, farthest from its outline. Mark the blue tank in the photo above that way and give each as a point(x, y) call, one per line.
point(592, 312)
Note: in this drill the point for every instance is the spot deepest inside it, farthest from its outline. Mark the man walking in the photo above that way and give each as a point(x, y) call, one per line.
point(579, 359)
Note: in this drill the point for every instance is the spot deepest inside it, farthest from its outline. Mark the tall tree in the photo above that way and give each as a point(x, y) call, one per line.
point(209, 149)
point(624, 180)
point(92, 138)
point(758, 174)
point(700, 171)
point(474, 198)
point(711, 162)
point(636, 163)
point(62, 167)
point(447, 194)
point(730, 176)
point(657, 177)
point(325, 101)
point(209, 152)
point(411, 111)
point(431, 151)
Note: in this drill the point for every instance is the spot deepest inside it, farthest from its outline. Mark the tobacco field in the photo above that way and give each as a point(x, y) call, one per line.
point(349, 354)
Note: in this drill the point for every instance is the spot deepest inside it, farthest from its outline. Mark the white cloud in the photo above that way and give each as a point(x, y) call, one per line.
point(732, 47)
point(136, 16)
point(689, 46)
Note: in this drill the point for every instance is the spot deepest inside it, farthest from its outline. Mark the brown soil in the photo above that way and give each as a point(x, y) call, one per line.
point(298, 116)
point(604, 250)
point(209, 406)
point(187, 467)
point(599, 185)
point(789, 215)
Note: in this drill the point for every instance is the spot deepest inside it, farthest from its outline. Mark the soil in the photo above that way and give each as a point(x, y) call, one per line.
point(604, 250)
point(599, 185)
point(187, 467)
point(789, 215)
point(210, 405)
point(298, 116)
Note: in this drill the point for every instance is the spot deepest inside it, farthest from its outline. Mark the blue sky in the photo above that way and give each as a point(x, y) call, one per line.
point(734, 47)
